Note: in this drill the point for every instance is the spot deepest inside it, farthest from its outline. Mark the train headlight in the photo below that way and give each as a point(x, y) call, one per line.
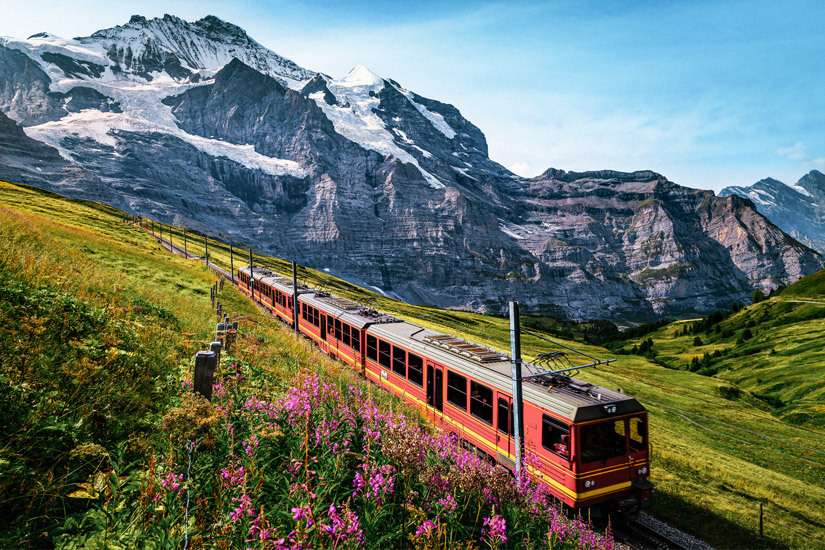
point(589, 484)
point(642, 471)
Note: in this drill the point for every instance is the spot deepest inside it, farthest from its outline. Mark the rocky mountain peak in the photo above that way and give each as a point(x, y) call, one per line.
point(361, 76)
point(181, 49)
point(219, 27)
point(813, 182)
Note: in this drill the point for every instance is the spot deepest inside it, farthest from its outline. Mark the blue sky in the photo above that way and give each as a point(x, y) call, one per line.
point(708, 93)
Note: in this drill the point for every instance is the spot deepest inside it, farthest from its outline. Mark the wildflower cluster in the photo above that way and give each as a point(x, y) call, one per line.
point(334, 469)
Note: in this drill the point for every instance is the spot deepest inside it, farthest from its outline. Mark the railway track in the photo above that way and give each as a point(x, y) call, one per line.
point(639, 536)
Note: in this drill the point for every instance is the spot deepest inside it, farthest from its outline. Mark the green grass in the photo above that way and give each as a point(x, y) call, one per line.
point(99, 328)
point(710, 459)
point(100, 325)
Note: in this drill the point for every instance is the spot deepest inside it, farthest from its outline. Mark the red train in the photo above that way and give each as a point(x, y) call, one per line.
point(591, 442)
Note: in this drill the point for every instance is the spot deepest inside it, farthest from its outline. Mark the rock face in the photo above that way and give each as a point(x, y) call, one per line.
point(199, 125)
point(798, 210)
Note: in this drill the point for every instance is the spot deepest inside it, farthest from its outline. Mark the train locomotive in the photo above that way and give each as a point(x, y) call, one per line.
point(591, 443)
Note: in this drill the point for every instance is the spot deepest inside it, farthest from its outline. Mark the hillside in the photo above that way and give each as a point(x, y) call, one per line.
point(769, 352)
point(197, 124)
point(706, 449)
point(103, 445)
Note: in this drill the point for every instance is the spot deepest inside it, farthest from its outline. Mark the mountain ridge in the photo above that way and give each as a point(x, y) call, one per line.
point(797, 209)
point(369, 180)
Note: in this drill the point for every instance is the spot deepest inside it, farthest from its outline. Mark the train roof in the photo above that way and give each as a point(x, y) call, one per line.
point(563, 395)
point(358, 315)
point(284, 284)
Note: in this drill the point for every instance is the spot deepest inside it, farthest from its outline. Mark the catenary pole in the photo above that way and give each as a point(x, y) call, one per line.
point(231, 265)
point(518, 403)
point(251, 276)
point(295, 296)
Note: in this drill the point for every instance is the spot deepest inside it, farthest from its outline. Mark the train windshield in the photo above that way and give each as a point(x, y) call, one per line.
point(613, 438)
point(603, 440)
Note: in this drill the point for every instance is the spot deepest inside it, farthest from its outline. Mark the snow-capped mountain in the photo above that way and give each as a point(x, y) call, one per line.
point(198, 124)
point(798, 209)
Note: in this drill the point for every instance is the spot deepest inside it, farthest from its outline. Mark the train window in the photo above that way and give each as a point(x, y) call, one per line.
point(331, 326)
point(316, 317)
point(303, 311)
point(372, 347)
point(481, 402)
point(346, 334)
point(457, 390)
point(338, 335)
point(356, 339)
point(555, 436)
point(384, 354)
point(503, 414)
point(638, 433)
point(399, 361)
point(602, 441)
point(415, 369)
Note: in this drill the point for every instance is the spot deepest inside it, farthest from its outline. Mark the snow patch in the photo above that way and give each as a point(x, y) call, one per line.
point(755, 197)
point(504, 229)
point(355, 118)
point(360, 76)
point(463, 172)
point(379, 290)
point(98, 126)
point(435, 119)
point(801, 190)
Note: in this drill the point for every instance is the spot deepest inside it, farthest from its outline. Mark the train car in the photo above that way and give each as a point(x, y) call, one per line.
point(273, 291)
point(337, 325)
point(590, 443)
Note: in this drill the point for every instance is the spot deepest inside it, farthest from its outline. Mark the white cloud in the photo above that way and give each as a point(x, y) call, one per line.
point(520, 168)
point(795, 152)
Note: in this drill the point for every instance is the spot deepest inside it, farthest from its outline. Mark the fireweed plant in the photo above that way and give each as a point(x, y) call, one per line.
point(326, 466)
point(320, 464)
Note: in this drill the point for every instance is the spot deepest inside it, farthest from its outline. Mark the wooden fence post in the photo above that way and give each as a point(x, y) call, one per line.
point(205, 367)
point(215, 347)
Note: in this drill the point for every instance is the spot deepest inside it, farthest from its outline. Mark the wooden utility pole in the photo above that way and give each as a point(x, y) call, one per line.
point(185, 253)
point(518, 403)
point(171, 246)
point(295, 296)
point(206, 251)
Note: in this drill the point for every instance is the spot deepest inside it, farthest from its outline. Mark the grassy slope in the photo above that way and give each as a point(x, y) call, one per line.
point(97, 316)
point(710, 477)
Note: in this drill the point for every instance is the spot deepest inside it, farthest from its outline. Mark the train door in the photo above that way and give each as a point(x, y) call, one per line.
point(324, 327)
point(505, 446)
point(435, 387)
